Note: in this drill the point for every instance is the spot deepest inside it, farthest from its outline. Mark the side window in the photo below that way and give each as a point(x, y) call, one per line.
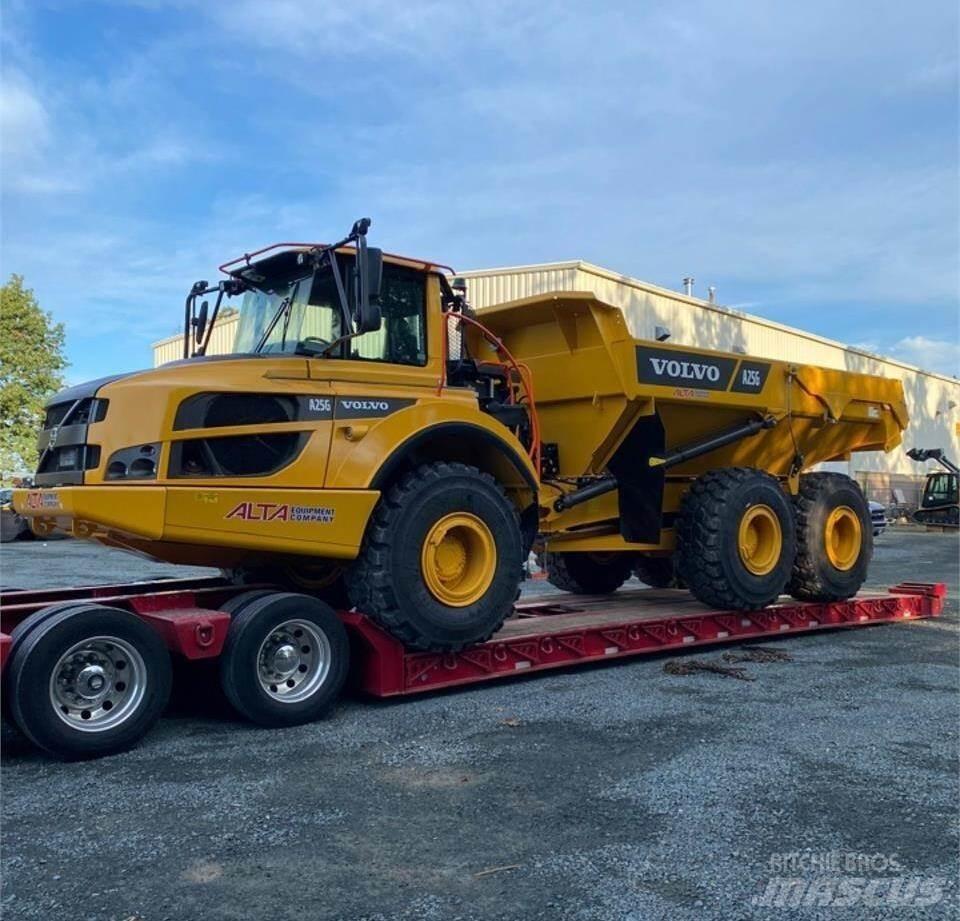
point(942, 489)
point(402, 339)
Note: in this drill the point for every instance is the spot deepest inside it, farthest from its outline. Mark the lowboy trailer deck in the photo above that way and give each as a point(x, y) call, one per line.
point(63, 700)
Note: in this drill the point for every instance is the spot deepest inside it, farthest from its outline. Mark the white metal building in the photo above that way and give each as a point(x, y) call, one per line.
point(932, 399)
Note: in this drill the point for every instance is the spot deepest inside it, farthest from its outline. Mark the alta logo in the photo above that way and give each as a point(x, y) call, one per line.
point(260, 511)
point(687, 370)
point(271, 511)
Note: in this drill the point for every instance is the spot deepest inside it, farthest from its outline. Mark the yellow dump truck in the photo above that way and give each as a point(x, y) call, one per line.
point(373, 440)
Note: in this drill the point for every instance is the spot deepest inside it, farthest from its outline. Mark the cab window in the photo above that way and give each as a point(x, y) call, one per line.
point(402, 339)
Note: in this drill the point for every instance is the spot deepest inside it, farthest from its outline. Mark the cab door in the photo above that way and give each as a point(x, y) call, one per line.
point(384, 372)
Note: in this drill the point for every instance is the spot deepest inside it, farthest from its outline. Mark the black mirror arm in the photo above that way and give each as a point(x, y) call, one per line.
point(202, 345)
point(199, 288)
point(341, 294)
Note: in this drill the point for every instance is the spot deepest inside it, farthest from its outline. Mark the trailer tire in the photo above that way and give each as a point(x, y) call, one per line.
point(285, 659)
point(834, 538)
point(657, 572)
point(584, 573)
point(238, 602)
point(442, 558)
point(736, 539)
point(22, 629)
point(88, 681)
point(329, 586)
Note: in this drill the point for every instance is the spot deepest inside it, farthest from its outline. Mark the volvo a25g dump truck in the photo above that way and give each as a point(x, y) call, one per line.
point(374, 442)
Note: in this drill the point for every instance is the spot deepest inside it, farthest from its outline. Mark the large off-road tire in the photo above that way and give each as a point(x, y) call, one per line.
point(834, 538)
point(657, 571)
point(441, 560)
point(285, 659)
point(735, 539)
point(584, 573)
point(88, 680)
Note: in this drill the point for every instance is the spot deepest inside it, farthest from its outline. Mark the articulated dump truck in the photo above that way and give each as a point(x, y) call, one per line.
point(374, 442)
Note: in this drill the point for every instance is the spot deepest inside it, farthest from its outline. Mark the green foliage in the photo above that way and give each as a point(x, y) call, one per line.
point(31, 366)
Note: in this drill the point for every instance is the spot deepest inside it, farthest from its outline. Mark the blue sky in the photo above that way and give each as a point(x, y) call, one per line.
point(800, 157)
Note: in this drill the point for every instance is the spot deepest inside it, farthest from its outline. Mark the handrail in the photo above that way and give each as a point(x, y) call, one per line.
point(523, 373)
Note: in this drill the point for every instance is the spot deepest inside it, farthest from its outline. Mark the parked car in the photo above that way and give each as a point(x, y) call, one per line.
point(878, 515)
point(12, 525)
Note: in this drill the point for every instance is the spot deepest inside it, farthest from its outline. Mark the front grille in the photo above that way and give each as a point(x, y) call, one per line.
point(70, 458)
point(64, 452)
point(81, 412)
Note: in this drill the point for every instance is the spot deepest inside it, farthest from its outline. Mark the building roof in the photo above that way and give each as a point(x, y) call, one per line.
point(591, 269)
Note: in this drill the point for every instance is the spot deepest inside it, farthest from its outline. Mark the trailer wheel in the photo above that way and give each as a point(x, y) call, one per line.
point(320, 578)
point(585, 573)
point(88, 681)
point(657, 572)
point(22, 629)
point(442, 558)
point(38, 617)
point(238, 602)
point(735, 539)
point(834, 538)
point(285, 659)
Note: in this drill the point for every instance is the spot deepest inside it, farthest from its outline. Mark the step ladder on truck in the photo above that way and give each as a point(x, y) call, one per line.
point(374, 463)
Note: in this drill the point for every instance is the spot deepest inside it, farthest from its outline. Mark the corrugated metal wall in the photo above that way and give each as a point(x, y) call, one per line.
point(934, 422)
point(221, 342)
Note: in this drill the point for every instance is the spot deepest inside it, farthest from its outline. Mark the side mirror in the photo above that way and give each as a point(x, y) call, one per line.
point(369, 279)
point(200, 322)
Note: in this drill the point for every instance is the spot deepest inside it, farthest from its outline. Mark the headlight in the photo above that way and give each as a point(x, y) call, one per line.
point(136, 463)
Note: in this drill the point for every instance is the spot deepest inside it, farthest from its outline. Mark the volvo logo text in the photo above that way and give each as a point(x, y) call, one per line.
point(687, 370)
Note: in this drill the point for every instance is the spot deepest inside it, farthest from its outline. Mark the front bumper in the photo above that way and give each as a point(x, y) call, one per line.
point(315, 522)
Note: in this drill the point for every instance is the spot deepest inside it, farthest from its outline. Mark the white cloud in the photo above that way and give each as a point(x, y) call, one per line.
point(930, 354)
point(749, 147)
point(24, 123)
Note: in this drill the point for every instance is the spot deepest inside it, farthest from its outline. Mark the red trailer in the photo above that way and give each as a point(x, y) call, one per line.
point(87, 671)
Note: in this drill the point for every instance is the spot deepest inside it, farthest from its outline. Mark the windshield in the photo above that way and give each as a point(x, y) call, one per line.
point(311, 315)
point(311, 318)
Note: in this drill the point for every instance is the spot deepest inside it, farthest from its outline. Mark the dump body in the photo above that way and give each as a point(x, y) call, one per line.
point(610, 402)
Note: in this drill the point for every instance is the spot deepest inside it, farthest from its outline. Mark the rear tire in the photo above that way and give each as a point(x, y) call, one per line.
point(657, 572)
point(735, 539)
point(583, 573)
point(88, 681)
point(442, 558)
point(834, 538)
point(285, 659)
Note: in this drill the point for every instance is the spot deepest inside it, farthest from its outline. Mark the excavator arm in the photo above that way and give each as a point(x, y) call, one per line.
point(924, 454)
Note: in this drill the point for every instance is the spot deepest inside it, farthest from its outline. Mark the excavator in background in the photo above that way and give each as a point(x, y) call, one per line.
point(940, 504)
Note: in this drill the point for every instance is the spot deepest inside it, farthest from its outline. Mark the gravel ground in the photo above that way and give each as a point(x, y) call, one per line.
point(618, 791)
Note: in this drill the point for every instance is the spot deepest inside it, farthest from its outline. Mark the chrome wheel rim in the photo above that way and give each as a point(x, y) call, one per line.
point(293, 661)
point(98, 683)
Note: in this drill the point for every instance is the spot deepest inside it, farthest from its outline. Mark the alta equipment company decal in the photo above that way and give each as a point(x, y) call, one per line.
point(42, 500)
point(271, 511)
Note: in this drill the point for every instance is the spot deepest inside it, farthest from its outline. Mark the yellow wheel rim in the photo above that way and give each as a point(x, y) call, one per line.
point(760, 539)
point(458, 559)
point(843, 537)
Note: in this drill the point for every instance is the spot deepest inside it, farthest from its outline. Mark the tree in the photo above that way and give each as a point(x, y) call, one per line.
point(31, 366)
